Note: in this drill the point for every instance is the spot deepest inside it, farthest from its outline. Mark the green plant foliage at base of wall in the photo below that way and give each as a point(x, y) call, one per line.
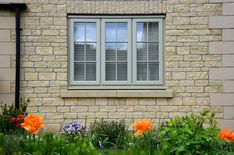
point(194, 134)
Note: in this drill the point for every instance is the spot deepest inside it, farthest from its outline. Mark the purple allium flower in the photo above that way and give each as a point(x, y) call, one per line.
point(73, 127)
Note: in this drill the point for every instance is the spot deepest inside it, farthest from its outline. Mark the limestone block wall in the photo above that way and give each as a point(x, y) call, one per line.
point(187, 61)
point(7, 56)
point(225, 73)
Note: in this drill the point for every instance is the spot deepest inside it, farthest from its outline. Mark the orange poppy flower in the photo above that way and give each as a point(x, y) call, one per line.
point(226, 135)
point(138, 133)
point(141, 126)
point(32, 123)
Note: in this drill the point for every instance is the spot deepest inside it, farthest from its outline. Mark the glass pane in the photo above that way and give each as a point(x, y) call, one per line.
point(91, 71)
point(79, 30)
point(153, 32)
point(141, 51)
point(110, 52)
point(79, 52)
point(91, 32)
point(78, 71)
point(141, 71)
point(90, 51)
point(122, 32)
point(110, 32)
point(122, 51)
point(110, 71)
point(141, 31)
point(153, 71)
point(122, 70)
point(153, 51)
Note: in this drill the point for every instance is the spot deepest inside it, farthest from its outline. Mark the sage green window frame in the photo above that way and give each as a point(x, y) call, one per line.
point(103, 57)
point(71, 47)
point(160, 61)
point(100, 82)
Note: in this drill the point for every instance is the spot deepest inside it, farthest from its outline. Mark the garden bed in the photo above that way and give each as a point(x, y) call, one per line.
point(21, 134)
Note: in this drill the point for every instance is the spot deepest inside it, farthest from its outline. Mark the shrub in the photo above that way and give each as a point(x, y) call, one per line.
point(12, 117)
point(188, 135)
point(109, 133)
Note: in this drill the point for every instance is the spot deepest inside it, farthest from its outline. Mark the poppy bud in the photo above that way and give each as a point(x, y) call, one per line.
point(13, 119)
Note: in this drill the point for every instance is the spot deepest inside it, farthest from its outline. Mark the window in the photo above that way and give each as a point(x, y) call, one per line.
point(112, 52)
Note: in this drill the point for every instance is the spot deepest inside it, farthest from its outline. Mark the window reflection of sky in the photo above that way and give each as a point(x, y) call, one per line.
point(122, 34)
point(85, 32)
point(79, 29)
point(90, 32)
point(110, 32)
point(116, 32)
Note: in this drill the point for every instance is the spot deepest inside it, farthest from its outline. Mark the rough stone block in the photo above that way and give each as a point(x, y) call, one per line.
point(47, 76)
point(31, 76)
point(44, 50)
point(169, 108)
point(79, 108)
point(147, 101)
point(47, 109)
point(108, 109)
point(197, 75)
point(189, 101)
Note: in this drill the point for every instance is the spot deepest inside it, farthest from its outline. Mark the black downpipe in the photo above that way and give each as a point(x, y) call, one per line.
point(17, 64)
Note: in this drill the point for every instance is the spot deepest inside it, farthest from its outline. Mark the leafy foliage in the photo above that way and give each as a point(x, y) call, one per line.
point(188, 135)
point(46, 144)
point(108, 133)
point(9, 111)
point(146, 144)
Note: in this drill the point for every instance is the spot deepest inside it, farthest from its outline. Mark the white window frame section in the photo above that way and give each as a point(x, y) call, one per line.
point(100, 82)
point(134, 65)
point(71, 32)
point(103, 52)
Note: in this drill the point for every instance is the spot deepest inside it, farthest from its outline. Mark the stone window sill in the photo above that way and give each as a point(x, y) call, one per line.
point(12, 1)
point(116, 93)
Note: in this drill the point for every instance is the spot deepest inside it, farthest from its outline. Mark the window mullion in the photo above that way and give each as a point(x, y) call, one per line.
point(147, 50)
point(116, 53)
point(85, 53)
point(99, 55)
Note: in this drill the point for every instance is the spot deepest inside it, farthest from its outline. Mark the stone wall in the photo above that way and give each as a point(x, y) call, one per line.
point(187, 61)
point(225, 73)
